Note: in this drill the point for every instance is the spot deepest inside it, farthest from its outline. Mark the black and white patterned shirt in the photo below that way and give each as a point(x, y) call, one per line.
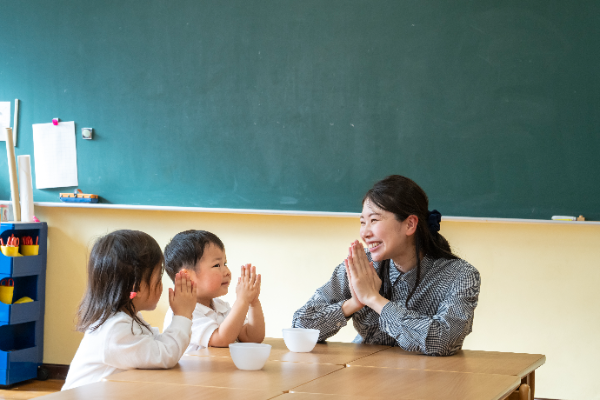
point(440, 315)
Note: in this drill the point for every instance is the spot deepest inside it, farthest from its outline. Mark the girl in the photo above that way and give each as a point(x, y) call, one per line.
point(418, 294)
point(124, 277)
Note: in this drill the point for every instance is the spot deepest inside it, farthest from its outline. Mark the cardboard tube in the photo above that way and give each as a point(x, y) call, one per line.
point(16, 122)
point(25, 188)
point(12, 172)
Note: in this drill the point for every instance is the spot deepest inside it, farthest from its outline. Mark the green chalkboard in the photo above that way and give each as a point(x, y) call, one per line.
point(493, 107)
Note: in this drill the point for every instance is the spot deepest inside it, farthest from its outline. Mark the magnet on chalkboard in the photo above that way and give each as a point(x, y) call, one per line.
point(54, 121)
point(86, 133)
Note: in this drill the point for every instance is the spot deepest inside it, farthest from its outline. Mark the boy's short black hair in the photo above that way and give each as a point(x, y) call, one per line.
point(186, 248)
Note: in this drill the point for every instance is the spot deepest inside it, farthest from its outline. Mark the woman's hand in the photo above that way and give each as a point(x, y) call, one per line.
point(353, 305)
point(363, 278)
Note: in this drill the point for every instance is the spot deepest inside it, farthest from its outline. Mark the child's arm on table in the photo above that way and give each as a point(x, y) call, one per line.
point(247, 291)
point(254, 330)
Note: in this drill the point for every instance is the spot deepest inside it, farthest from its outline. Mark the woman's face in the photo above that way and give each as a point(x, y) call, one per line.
point(385, 236)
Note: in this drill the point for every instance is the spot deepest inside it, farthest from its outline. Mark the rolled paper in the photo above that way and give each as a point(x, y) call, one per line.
point(25, 188)
point(16, 121)
point(12, 172)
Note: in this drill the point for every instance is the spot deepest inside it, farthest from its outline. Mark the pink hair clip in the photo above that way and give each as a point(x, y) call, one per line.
point(132, 295)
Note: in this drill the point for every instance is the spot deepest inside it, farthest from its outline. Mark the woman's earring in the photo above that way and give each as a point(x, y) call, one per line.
point(132, 295)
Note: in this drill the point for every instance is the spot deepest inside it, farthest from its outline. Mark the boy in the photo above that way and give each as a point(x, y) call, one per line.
point(214, 323)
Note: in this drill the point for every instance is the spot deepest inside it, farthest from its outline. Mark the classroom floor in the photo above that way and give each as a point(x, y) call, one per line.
point(31, 389)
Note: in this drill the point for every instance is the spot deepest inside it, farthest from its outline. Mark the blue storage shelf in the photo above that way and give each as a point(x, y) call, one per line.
point(18, 365)
point(19, 313)
point(22, 325)
point(20, 266)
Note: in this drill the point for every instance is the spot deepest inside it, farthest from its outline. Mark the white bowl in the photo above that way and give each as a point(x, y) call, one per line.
point(300, 340)
point(249, 356)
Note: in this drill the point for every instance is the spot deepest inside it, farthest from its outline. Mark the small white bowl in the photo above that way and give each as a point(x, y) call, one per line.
point(300, 340)
point(249, 356)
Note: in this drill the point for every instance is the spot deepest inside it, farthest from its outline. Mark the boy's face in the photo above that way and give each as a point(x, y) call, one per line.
point(211, 275)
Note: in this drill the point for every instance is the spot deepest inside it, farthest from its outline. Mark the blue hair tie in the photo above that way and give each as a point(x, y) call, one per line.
point(433, 220)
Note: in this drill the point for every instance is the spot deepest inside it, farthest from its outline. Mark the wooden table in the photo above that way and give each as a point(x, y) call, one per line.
point(274, 379)
point(332, 371)
point(486, 362)
point(386, 383)
point(134, 390)
point(323, 353)
point(318, 396)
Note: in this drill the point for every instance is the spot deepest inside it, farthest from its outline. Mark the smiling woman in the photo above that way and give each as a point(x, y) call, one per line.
point(407, 288)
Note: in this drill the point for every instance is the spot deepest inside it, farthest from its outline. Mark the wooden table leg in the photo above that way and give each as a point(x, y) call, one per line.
point(524, 392)
point(531, 383)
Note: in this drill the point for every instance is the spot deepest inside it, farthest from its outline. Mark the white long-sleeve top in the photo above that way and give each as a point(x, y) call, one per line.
point(120, 344)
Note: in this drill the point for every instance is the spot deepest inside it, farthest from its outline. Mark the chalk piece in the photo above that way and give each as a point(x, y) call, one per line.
point(581, 218)
point(563, 218)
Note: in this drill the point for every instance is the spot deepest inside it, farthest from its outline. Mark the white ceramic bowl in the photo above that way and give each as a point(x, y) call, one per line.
point(300, 340)
point(249, 356)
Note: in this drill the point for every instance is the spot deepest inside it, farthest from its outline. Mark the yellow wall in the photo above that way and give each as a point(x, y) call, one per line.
point(539, 282)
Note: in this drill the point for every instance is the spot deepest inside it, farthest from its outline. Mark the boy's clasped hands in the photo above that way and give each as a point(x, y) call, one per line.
point(248, 285)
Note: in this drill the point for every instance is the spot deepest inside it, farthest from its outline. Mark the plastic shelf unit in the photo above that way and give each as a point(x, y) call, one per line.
point(22, 325)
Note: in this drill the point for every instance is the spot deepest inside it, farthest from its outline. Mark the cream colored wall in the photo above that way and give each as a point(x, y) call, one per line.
point(539, 282)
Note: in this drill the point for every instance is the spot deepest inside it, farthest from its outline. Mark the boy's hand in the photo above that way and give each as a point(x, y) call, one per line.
point(248, 287)
point(183, 299)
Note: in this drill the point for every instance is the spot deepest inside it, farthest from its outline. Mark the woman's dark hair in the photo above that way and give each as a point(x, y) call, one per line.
point(118, 264)
point(186, 248)
point(403, 197)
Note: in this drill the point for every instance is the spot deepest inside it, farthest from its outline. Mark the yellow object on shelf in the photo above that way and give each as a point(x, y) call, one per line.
point(29, 249)
point(10, 251)
point(7, 288)
point(24, 299)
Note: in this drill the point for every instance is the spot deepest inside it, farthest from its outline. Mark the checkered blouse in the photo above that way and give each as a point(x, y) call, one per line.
point(439, 317)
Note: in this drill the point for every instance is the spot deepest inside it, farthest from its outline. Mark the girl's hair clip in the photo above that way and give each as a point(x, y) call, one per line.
point(132, 295)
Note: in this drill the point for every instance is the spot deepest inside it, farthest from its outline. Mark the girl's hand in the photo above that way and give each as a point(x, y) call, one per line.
point(362, 275)
point(183, 299)
point(248, 286)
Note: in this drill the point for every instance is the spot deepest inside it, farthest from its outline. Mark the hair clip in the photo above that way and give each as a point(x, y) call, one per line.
point(132, 295)
point(434, 218)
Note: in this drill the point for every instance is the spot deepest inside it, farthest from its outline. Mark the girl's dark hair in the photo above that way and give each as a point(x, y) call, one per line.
point(118, 264)
point(186, 248)
point(403, 197)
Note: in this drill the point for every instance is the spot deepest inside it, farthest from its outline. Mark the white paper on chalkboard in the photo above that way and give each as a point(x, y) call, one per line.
point(55, 155)
point(5, 120)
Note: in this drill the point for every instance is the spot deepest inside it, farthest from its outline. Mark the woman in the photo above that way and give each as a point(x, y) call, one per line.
point(407, 288)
